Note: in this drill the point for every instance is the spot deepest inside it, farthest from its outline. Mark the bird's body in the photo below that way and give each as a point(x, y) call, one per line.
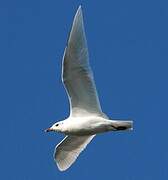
point(91, 125)
point(86, 117)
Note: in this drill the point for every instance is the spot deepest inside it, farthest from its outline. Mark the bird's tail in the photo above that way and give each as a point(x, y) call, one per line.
point(122, 125)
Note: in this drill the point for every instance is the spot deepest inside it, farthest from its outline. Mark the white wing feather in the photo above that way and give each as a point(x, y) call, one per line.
point(67, 151)
point(76, 73)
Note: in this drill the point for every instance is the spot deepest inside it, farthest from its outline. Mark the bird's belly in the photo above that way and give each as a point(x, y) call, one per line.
point(90, 127)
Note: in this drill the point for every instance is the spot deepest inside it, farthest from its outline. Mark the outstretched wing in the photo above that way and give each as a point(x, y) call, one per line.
point(67, 151)
point(76, 74)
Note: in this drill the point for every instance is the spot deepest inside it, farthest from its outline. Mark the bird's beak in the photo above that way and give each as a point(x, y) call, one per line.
point(48, 130)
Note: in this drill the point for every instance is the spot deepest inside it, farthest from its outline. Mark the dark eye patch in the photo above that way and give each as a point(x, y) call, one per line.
point(56, 124)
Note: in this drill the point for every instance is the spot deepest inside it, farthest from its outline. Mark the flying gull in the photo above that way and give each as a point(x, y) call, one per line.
point(86, 118)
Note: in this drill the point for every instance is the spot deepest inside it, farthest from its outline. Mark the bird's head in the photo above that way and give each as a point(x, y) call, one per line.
point(57, 127)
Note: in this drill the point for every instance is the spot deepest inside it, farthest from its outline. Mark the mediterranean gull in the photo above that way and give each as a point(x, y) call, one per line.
point(86, 118)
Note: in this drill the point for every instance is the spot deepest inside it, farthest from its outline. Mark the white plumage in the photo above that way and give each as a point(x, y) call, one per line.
point(86, 117)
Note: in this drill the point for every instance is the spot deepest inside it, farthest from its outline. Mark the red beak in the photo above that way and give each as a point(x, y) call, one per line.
point(48, 130)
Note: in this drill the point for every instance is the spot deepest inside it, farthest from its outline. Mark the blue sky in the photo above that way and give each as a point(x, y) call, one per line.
point(128, 45)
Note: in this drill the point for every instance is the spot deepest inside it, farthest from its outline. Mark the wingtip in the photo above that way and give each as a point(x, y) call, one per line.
point(77, 21)
point(61, 168)
point(79, 11)
point(79, 8)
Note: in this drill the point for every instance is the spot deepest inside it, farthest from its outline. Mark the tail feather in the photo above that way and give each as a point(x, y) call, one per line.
point(121, 125)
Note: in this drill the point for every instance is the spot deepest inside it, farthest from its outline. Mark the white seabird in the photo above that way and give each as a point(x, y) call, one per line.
point(86, 117)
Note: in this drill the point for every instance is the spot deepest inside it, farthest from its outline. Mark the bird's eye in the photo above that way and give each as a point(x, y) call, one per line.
point(56, 124)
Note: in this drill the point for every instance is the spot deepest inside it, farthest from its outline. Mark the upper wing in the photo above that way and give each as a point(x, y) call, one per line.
point(76, 74)
point(69, 149)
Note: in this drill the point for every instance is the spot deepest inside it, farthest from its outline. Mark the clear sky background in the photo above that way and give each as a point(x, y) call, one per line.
point(128, 45)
